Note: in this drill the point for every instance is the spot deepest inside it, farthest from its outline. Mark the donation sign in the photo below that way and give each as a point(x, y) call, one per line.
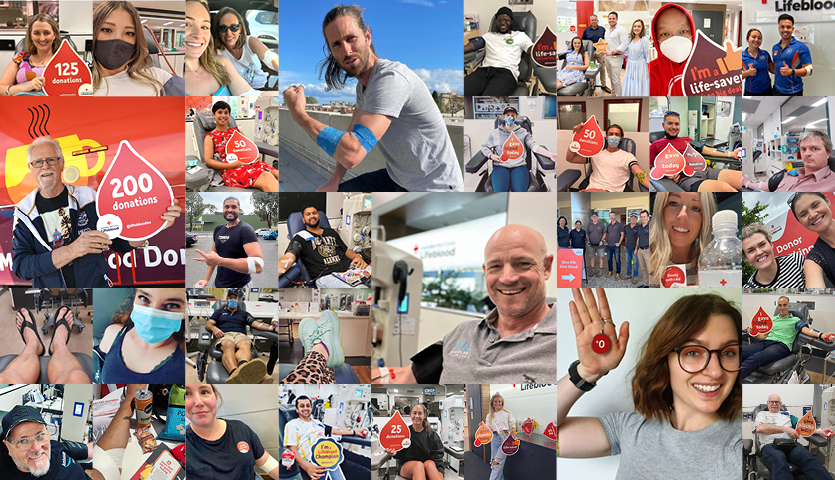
point(483, 435)
point(288, 458)
point(669, 162)
point(712, 70)
point(544, 51)
point(761, 323)
point(66, 74)
point(551, 431)
point(512, 148)
point(241, 149)
point(589, 141)
point(674, 276)
point(132, 197)
point(395, 434)
point(529, 425)
point(806, 425)
point(327, 453)
point(694, 159)
point(510, 445)
point(570, 268)
point(600, 47)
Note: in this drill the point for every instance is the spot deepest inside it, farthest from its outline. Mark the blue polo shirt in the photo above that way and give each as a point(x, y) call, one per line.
point(791, 84)
point(593, 34)
point(760, 82)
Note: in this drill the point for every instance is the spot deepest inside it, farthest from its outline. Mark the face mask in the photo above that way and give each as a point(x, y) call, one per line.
point(112, 54)
point(677, 48)
point(154, 326)
point(613, 141)
point(509, 120)
point(232, 304)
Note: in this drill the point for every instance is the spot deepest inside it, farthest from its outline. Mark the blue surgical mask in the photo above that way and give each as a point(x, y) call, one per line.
point(232, 304)
point(154, 326)
point(509, 120)
point(613, 141)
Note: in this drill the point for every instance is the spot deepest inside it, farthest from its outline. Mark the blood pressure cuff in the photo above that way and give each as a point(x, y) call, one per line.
point(76, 450)
point(697, 145)
point(478, 42)
point(428, 364)
point(175, 87)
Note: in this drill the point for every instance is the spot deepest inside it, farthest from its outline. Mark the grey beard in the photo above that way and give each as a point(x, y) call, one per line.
point(35, 473)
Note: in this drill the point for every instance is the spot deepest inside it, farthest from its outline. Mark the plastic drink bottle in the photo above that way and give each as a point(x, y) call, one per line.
point(720, 264)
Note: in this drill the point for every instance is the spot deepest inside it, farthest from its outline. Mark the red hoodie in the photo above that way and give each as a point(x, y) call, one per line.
point(664, 74)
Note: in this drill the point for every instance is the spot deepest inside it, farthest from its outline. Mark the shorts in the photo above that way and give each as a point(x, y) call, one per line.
point(234, 336)
point(597, 252)
point(691, 184)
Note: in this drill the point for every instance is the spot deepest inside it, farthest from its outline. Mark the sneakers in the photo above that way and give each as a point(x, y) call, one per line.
point(326, 330)
point(250, 372)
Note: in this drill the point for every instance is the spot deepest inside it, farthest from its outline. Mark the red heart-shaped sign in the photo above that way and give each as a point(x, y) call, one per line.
point(544, 51)
point(694, 159)
point(668, 163)
point(241, 149)
point(66, 74)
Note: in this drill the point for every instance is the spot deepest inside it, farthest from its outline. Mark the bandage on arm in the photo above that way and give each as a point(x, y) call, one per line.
point(251, 262)
point(270, 465)
point(270, 57)
point(329, 138)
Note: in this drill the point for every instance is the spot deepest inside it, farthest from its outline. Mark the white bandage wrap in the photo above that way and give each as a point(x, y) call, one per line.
point(271, 464)
point(107, 462)
point(251, 261)
point(269, 57)
point(809, 70)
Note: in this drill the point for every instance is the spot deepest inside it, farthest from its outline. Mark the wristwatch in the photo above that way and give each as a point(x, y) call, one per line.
point(792, 72)
point(577, 380)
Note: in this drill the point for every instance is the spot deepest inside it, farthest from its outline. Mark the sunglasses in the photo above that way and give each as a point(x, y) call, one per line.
point(672, 113)
point(234, 27)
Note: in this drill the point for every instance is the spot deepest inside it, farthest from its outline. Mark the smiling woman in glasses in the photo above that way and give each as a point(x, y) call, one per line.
point(685, 390)
point(246, 52)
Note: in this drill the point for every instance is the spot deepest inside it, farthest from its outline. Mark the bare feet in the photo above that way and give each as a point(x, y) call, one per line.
point(61, 335)
point(30, 337)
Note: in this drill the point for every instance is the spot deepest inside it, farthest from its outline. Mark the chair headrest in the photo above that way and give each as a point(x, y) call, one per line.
point(588, 47)
point(799, 310)
point(295, 222)
point(149, 39)
point(628, 145)
point(522, 22)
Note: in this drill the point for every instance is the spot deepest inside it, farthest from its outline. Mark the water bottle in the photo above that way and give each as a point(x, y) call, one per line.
point(720, 264)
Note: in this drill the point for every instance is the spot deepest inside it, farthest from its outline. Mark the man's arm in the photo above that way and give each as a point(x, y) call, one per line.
point(767, 428)
point(713, 152)
point(259, 325)
point(356, 258)
point(240, 265)
point(641, 175)
point(285, 262)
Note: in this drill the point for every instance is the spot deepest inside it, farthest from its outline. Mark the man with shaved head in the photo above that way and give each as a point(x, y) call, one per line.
point(517, 341)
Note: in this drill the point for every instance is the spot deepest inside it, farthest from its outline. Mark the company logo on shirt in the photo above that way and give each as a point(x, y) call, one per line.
point(326, 246)
point(223, 238)
point(460, 349)
point(82, 219)
point(243, 447)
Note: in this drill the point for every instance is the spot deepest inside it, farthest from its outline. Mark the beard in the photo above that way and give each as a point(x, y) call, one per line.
point(36, 472)
point(234, 216)
point(312, 225)
point(360, 66)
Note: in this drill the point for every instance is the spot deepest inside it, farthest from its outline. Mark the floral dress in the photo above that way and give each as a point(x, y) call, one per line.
point(243, 176)
point(567, 77)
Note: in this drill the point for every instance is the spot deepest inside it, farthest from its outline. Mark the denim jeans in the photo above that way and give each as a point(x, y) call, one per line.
point(756, 355)
point(613, 251)
point(498, 459)
point(778, 463)
point(631, 256)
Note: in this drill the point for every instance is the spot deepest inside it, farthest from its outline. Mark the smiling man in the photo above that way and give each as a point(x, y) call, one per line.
point(394, 107)
point(34, 453)
point(815, 147)
point(503, 50)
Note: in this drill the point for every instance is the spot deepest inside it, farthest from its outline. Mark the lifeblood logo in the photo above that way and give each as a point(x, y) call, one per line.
point(761, 323)
point(544, 51)
point(802, 6)
point(669, 162)
point(512, 148)
point(589, 140)
point(694, 159)
point(674, 275)
point(712, 70)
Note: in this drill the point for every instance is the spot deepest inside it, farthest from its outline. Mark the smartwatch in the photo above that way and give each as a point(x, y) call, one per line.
point(577, 380)
point(792, 72)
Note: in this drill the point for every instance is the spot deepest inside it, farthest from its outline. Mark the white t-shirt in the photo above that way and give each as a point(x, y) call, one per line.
point(501, 421)
point(779, 419)
point(120, 85)
point(504, 50)
point(611, 170)
point(303, 435)
point(249, 66)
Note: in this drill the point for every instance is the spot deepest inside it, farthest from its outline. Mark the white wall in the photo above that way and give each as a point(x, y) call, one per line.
point(794, 397)
point(537, 402)
point(538, 211)
point(257, 407)
point(613, 392)
point(545, 13)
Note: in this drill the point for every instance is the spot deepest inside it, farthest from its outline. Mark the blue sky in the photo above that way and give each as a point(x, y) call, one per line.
point(425, 35)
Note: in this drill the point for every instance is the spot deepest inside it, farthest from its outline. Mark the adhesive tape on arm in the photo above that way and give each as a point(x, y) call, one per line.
point(251, 261)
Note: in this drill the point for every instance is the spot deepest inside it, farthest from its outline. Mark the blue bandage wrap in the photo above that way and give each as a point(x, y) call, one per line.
point(365, 136)
point(328, 139)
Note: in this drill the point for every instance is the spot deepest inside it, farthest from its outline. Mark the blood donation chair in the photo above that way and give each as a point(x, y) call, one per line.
point(668, 185)
point(297, 274)
point(781, 371)
point(752, 457)
point(482, 165)
point(582, 88)
point(524, 22)
point(214, 371)
point(207, 179)
point(567, 178)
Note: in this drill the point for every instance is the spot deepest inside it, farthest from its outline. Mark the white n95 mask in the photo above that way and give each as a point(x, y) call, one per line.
point(676, 48)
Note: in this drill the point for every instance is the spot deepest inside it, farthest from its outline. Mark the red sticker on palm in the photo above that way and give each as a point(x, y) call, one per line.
point(761, 323)
point(66, 74)
point(673, 275)
point(590, 139)
point(510, 445)
point(241, 149)
point(669, 162)
point(512, 148)
point(694, 159)
point(600, 343)
point(527, 427)
point(395, 434)
point(551, 431)
point(483, 435)
point(134, 193)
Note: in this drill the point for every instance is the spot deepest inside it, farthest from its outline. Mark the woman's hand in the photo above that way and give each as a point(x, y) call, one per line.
point(391, 452)
point(749, 72)
point(33, 85)
point(495, 157)
point(171, 214)
point(586, 318)
point(234, 164)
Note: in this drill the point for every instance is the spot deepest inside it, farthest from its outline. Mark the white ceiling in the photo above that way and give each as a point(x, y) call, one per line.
point(760, 108)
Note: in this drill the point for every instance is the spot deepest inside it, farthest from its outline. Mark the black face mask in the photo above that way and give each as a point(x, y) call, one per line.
point(670, 137)
point(113, 54)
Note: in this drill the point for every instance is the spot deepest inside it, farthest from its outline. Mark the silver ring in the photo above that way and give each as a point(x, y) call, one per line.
point(607, 320)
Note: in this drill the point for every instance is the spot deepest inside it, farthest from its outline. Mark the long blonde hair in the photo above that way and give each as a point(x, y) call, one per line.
point(138, 67)
point(489, 418)
point(659, 243)
point(29, 45)
point(209, 60)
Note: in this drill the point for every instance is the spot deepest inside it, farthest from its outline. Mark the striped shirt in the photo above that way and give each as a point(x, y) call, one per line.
point(789, 274)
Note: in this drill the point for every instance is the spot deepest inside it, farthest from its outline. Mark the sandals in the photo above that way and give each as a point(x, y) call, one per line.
point(60, 320)
point(30, 324)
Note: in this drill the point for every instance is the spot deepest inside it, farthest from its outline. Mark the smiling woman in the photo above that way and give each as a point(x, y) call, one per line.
point(772, 272)
point(24, 75)
point(814, 212)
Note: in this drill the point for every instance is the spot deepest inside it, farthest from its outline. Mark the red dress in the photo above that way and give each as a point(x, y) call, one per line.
point(243, 176)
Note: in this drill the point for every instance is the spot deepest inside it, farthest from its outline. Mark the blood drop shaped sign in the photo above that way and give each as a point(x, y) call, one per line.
point(694, 159)
point(512, 148)
point(589, 141)
point(395, 434)
point(544, 51)
point(551, 431)
point(134, 193)
point(483, 435)
point(241, 149)
point(510, 445)
point(66, 74)
point(669, 162)
point(806, 425)
point(761, 323)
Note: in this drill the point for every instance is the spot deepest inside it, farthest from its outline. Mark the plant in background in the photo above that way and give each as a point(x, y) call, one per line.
point(443, 291)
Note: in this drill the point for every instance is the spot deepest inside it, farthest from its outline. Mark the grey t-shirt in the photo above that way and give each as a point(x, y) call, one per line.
point(418, 151)
point(474, 353)
point(595, 234)
point(613, 231)
point(497, 139)
point(652, 450)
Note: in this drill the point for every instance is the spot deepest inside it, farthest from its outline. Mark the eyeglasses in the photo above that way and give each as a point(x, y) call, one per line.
point(775, 402)
point(695, 358)
point(49, 161)
point(25, 443)
point(234, 27)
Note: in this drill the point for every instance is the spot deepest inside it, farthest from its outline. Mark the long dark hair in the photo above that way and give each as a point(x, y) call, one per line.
point(335, 76)
point(582, 50)
point(122, 317)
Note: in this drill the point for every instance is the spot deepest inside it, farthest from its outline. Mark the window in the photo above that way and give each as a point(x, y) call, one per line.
point(626, 113)
point(658, 106)
point(570, 114)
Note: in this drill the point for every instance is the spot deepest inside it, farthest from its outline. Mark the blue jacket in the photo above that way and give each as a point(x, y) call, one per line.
point(32, 251)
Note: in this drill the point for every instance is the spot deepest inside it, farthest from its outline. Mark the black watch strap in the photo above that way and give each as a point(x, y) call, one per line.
point(577, 380)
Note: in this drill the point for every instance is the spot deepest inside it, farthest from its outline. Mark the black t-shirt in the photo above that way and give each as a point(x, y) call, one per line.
point(55, 213)
point(578, 238)
point(231, 457)
point(228, 321)
point(229, 243)
point(426, 445)
point(61, 466)
point(322, 254)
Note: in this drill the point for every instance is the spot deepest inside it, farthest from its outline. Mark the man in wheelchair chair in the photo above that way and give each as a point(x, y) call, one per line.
point(777, 343)
point(497, 74)
point(772, 424)
point(612, 166)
